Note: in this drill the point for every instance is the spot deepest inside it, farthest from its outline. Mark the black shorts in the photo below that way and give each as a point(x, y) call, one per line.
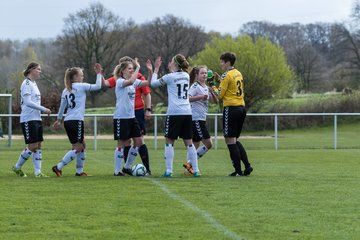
point(125, 129)
point(178, 126)
point(199, 131)
point(75, 131)
point(140, 117)
point(233, 120)
point(33, 131)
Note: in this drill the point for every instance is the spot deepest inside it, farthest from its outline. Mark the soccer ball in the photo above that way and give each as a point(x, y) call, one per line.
point(138, 170)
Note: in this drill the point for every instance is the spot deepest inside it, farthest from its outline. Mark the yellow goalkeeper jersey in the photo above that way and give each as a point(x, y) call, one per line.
point(231, 89)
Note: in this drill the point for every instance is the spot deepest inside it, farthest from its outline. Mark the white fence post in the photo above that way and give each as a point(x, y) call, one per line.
point(10, 121)
point(335, 131)
point(216, 132)
point(95, 133)
point(155, 132)
point(276, 131)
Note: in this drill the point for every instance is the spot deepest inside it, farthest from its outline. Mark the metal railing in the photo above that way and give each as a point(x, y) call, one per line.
point(216, 116)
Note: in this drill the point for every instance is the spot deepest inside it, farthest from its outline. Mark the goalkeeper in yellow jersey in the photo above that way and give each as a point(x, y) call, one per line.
point(231, 92)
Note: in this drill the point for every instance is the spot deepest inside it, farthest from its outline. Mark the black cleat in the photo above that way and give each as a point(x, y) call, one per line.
point(119, 174)
point(235, 174)
point(57, 171)
point(127, 171)
point(248, 170)
point(83, 174)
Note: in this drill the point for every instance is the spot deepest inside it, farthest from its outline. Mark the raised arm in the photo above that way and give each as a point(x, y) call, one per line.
point(155, 82)
point(133, 77)
point(99, 78)
point(150, 70)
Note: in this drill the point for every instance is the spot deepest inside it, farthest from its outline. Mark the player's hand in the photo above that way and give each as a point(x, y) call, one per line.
point(48, 111)
point(98, 68)
point(158, 62)
point(149, 65)
point(56, 125)
point(147, 115)
point(217, 77)
point(137, 64)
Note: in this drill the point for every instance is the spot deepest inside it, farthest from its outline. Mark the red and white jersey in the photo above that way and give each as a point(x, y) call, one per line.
point(178, 84)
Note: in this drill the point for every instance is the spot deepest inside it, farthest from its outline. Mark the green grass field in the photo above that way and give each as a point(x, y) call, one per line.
point(292, 194)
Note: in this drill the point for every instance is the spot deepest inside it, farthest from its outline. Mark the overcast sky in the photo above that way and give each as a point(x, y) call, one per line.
point(22, 19)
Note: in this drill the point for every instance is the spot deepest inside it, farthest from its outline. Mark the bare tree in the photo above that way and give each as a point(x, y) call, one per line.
point(307, 48)
point(93, 35)
point(166, 37)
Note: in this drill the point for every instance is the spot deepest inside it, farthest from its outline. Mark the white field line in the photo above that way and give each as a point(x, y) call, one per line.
point(194, 208)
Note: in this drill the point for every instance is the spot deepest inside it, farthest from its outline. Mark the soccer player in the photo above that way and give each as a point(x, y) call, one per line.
point(231, 91)
point(74, 98)
point(126, 127)
point(199, 96)
point(30, 119)
point(142, 113)
point(178, 121)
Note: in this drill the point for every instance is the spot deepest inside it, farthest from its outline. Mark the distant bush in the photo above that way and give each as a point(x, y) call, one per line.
point(315, 103)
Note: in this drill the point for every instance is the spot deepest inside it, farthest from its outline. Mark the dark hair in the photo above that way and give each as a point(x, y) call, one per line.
point(181, 62)
point(69, 77)
point(30, 67)
point(195, 72)
point(228, 57)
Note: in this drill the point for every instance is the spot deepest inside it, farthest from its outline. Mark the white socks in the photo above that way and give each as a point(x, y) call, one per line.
point(192, 156)
point(201, 151)
point(80, 161)
point(169, 157)
point(118, 158)
point(131, 157)
point(25, 154)
point(37, 157)
point(69, 156)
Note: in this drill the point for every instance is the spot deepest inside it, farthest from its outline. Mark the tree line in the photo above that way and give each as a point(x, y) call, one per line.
point(276, 60)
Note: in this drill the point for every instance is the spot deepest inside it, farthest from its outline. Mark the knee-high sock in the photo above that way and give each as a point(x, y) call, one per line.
point(144, 155)
point(169, 157)
point(235, 157)
point(118, 158)
point(68, 157)
point(80, 161)
point(126, 152)
point(25, 154)
point(243, 155)
point(191, 153)
point(37, 158)
point(131, 157)
point(201, 151)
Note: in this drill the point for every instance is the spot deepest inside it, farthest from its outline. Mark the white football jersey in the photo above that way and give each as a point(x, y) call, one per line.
point(76, 99)
point(125, 99)
point(199, 108)
point(178, 84)
point(28, 113)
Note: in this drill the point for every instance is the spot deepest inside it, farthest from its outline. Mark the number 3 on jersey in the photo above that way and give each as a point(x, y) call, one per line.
point(182, 91)
point(71, 100)
point(239, 86)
